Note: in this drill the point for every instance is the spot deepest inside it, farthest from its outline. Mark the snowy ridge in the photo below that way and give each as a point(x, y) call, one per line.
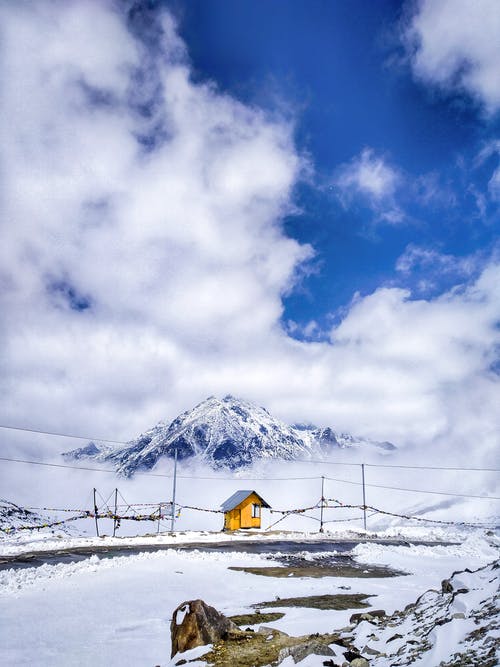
point(13, 516)
point(228, 432)
point(458, 625)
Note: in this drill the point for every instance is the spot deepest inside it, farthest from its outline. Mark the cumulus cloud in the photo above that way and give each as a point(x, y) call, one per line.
point(428, 359)
point(453, 44)
point(142, 213)
point(370, 177)
point(144, 260)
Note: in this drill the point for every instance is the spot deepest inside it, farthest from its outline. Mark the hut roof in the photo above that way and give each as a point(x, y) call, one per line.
point(238, 498)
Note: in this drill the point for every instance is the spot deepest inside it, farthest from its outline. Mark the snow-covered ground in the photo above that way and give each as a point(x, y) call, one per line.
point(116, 610)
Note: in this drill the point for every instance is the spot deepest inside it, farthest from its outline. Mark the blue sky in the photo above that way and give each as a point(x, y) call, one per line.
point(291, 202)
point(340, 69)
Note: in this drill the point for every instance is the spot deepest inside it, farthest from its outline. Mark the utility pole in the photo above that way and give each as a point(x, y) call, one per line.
point(173, 493)
point(322, 504)
point(364, 494)
point(95, 514)
point(116, 512)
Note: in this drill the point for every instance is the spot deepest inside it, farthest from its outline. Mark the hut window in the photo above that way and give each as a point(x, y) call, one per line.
point(255, 511)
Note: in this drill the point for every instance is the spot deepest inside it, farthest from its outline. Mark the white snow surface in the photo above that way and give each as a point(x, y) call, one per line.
point(113, 611)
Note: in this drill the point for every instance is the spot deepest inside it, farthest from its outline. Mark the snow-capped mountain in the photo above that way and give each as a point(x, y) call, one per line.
point(227, 432)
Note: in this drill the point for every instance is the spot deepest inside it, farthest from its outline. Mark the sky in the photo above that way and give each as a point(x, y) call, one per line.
point(295, 203)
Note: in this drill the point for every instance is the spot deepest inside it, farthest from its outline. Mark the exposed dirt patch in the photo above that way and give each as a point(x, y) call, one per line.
point(257, 617)
point(338, 602)
point(316, 571)
point(255, 649)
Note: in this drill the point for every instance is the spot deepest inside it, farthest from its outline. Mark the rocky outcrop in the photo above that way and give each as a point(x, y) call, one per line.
point(195, 623)
point(465, 608)
point(370, 616)
point(300, 652)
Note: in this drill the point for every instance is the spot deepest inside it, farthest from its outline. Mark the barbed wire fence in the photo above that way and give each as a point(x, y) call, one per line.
point(325, 511)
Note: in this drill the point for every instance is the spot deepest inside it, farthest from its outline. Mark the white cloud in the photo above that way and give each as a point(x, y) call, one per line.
point(178, 250)
point(491, 149)
point(437, 267)
point(420, 361)
point(454, 45)
point(143, 270)
point(370, 177)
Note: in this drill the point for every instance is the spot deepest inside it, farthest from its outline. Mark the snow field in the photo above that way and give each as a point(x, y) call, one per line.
point(115, 611)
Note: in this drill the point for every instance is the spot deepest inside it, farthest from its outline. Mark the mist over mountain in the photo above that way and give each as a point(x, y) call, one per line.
point(223, 433)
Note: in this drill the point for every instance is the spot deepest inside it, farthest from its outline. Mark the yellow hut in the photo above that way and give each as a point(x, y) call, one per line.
point(243, 510)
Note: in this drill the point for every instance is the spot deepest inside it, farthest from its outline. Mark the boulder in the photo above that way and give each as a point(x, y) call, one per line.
point(372, 616)
point(446, 586)
point(195, 623)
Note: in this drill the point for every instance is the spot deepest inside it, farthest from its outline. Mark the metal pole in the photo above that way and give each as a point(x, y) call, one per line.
point(364, 494)
point(173, 493)
point(116, 512)
point(322, 504)
point(95, 514)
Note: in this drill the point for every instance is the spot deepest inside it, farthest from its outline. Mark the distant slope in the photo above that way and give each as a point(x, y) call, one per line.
point(12, 517)
point(228, 432)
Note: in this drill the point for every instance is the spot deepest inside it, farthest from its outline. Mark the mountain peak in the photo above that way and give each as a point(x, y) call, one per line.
point(229, 432)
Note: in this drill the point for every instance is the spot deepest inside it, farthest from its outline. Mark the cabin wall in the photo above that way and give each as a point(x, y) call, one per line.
point(247, 521)
point(232, 520)
point(241, 516)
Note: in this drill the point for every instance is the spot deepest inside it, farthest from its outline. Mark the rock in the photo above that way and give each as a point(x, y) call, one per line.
point(357, 618)
point(446, 586)
point(194, 623)
point(459, 614)
point(266, 630)
point(371, 616)
point(360, 662)
point(351, 655)
point(301, 651)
